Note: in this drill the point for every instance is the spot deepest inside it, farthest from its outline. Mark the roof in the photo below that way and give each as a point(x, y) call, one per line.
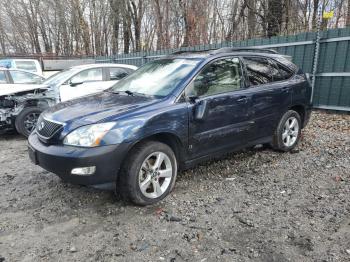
point(87, 66)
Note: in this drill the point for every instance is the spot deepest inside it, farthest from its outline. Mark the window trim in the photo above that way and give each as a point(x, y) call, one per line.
point(243, 82)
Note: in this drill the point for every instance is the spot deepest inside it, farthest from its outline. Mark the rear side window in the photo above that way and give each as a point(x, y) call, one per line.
point(259, 70)
point(2, 77)
point(116, 73)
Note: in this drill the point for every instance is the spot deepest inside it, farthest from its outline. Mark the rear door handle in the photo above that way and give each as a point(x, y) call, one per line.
point(286, 89)
point(242, 99)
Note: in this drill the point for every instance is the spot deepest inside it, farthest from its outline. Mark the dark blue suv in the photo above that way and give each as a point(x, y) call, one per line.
point(171, 114)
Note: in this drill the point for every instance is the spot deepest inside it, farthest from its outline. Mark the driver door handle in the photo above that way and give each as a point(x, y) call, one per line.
point(242, 99)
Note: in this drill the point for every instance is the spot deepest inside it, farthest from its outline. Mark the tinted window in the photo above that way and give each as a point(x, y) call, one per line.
point(89, 75)
point(116, 73)
point(284, 73)
point(219, 77)
point(20, 77)
point(259, 70)
point(2, 77)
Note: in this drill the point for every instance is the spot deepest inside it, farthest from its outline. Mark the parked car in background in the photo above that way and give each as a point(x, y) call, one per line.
point(18, 76)
point(30, 65)
point(171, 114)
point(87, 79)
point(21, 105)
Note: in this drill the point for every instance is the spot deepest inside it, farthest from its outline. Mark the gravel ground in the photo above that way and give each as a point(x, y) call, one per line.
point(256, 205)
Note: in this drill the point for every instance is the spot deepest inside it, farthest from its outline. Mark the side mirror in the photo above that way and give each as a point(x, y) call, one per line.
point(73, 83)
point(200, 110)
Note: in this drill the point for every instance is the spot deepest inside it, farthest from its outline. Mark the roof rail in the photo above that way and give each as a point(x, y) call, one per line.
point(244, 49)
point(229, 50)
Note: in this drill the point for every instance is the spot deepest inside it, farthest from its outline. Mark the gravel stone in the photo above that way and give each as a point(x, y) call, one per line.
point(255, 204)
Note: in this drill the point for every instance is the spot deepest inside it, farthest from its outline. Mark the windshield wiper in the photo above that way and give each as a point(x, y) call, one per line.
point(128, 92)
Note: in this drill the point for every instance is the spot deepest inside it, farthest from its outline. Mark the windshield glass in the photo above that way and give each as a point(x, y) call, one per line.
point(59, 77)
point(157, 78)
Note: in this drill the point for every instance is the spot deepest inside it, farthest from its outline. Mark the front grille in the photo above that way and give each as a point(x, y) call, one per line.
point(46, 128)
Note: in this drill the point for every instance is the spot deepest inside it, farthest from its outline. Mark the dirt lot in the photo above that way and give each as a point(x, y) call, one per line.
point(254, 205)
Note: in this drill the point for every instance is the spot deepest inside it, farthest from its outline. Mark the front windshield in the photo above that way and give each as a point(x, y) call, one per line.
point(59, 77)
point(157, 78)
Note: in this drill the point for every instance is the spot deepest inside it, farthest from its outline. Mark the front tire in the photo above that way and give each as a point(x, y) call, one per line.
point(288, 132)
point(26, 120)
point(148, 174)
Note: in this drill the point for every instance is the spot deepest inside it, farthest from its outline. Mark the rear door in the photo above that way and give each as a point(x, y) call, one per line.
point(270, 95)
point(218, 108)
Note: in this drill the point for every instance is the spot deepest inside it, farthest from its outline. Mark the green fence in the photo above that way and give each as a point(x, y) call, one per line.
point(332, 88)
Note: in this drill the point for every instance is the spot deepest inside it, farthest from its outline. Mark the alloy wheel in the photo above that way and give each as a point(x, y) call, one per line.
point(155, 175)
point(290, 132)
point(30, 122)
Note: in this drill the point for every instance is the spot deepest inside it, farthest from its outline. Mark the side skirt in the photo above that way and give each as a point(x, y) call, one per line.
point(219, 155)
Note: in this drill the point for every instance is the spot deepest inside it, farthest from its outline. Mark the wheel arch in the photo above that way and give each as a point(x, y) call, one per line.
point(301, 110)
point(170, 139)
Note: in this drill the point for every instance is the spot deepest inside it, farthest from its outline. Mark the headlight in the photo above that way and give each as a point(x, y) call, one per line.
point(88, 136)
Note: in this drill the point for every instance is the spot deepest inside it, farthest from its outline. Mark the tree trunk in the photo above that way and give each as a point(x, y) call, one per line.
point(274, 17)
point(348, 15)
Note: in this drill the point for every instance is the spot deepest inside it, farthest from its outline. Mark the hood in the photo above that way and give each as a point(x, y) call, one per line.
point(95, 108)
point(11, 89)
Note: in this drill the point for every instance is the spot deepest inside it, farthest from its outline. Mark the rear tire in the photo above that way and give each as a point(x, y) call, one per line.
point(26, 120)
point(288, 132)
point(148, 174)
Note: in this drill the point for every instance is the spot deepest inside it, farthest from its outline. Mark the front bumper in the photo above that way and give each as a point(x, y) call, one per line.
point(60, 159)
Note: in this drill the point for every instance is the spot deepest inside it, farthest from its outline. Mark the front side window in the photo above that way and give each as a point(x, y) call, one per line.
point(259, 70)
point(89, 75)
point(157, 78)
point(20, 77)
point(221, 76)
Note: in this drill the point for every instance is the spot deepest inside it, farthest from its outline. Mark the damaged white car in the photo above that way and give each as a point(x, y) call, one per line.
point(21, 105)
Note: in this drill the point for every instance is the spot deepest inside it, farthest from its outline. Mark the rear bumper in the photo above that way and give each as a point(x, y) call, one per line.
point(60, 160)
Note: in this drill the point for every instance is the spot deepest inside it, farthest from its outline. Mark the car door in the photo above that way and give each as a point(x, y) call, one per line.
point(218, 108)
point(85, 82)
point(269, 96)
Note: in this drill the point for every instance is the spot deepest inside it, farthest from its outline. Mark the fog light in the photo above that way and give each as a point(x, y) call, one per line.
point(83, 171)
